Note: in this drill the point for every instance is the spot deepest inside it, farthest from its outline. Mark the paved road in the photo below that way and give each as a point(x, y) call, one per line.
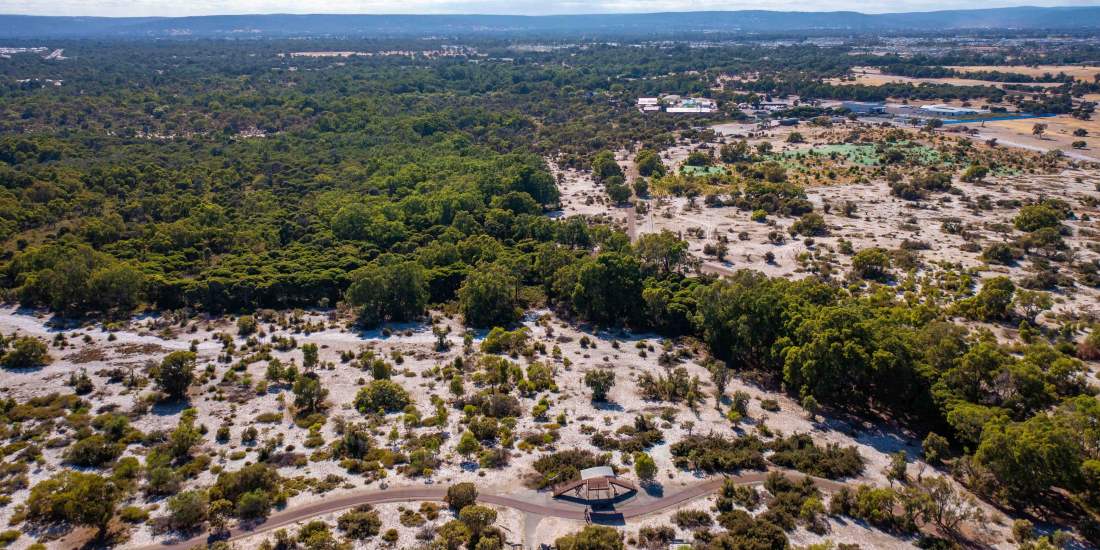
point(564, 510)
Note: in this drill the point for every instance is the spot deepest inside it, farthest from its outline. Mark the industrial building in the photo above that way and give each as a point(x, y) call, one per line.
point(865, 107)
point(676, 104)
point(948, 110)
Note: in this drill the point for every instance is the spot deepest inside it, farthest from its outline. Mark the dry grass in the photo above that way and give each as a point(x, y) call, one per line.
point(1080, 72)
point(870, 76)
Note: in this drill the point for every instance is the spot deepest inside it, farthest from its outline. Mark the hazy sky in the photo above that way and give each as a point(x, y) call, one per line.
point(519, 7)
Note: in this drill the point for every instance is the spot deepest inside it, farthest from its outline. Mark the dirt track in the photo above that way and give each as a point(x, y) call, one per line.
point(560, 510)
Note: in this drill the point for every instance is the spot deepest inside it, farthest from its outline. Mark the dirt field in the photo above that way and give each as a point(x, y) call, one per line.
point(1058, 135)
point(871, 76)
point(1080, 72)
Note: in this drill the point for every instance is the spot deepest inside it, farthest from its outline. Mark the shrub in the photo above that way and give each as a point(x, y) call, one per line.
point(26, 352)
point(600, 381)
point(799, 452)
point(175, 373)
point(246, 325)
point(360, 523)
point(654, 537)
point(871, 263)
point(999, 253)
point(188, 510)
point(94, 450)
point(249, 489)
point(692, 519)
point(644, 467)
point(381, 395)
point(1037, 216)
point(564, 466)
point(592, 537)
point(716, 454)
point(461, 495)
point(809, 225)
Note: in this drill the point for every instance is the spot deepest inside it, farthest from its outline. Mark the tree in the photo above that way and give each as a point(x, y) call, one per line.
point(74, 497)
point(310, 356)
point(947, 507)
point(720, 376)
point(604, 166)
point(935, 448)
point(663, 251)
point(617, 191)
point(592, 537)
point(1038, 130)
point(1034, 217)
point(871, 263)
point(461, 495)
point(117, 286)
point(608, 288)
point(175, 373)
point(649, 163)
point(185, 436)
point(488, 297)
point(360, 523)
point(452, 535)
point(477, 518)
point(992, 302)
point(246, 325)
point(734, 152)
point(395, 292)
point(600, 381)
point(467, 444)
point(1032, 303)
point(975, 173)
point(811, 406)
point(26, 352)
point(644, 467)
point(309, 394)
point(188, 510)
point(381, 395)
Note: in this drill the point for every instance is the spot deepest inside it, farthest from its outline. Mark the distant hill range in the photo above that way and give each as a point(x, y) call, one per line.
point(741, 22)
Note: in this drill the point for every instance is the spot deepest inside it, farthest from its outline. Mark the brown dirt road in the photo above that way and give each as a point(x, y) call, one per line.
point(564, 510)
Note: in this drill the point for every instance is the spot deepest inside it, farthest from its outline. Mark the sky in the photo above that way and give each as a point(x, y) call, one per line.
point(119, 8)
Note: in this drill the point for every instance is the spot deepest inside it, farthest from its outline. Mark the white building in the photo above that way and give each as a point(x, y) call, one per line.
point(948, 110)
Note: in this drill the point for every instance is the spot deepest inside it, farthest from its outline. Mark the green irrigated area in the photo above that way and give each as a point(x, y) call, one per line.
point(866, 154)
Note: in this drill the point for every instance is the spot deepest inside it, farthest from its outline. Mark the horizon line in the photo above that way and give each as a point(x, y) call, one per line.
point(546, 15)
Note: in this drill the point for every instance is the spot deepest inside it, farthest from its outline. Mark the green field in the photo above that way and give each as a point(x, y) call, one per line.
point(862, 154)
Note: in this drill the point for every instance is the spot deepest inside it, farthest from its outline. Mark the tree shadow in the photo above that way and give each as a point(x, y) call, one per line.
point(608, 518)
point(170, 408)
point(653, 489)
point(608, 406)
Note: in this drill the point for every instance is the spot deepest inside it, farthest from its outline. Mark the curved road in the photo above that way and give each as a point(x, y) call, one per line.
point(563, 510)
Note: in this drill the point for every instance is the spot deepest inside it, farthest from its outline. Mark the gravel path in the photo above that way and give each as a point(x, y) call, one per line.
point(557, 509)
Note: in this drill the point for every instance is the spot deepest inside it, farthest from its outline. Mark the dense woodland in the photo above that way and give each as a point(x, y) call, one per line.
point(220, 177)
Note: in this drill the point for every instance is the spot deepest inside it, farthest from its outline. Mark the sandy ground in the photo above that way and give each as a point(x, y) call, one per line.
point(872, 76)
point(1080, 72)
point(138, 344)
point(1058, 135)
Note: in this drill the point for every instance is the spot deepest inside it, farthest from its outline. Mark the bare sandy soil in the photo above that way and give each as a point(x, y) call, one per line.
point(1080, 72)
point(1058, 135)
point(872, 76)
point(146, 340)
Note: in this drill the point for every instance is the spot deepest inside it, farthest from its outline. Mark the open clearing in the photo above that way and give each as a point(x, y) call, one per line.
point(1080, 72)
